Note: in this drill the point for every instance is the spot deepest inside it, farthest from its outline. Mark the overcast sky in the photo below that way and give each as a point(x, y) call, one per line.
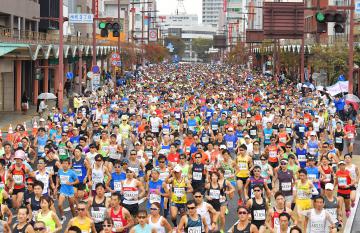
point(167, 7)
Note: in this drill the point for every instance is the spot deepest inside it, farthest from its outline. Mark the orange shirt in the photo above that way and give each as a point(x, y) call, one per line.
point(343, 178)
point(204, 157)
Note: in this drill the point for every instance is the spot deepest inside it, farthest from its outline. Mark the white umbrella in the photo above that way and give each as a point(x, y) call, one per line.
point(47, 96)
point(319, 88)
point(352, 98)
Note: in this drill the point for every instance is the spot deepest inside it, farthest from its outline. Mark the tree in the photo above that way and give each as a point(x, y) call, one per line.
point(330, 58)
point(238, 55)
point(178, 43)
point(155, 53)
point(201, 46)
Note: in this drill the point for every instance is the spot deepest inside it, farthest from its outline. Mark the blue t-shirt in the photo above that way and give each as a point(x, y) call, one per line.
point(68, 176)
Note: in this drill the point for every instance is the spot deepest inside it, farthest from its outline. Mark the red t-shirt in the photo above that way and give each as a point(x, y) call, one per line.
point(343, 178)
point(174, 158)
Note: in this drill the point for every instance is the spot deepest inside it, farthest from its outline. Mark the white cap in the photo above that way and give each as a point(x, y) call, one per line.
point(316, 116)
point(131, 169)
point(19, 154)
point(246, 136)
point(329, 186)
point(312, 133)
point(42, 119)
point(177, 168)
point(222, 147)
point(230, 129)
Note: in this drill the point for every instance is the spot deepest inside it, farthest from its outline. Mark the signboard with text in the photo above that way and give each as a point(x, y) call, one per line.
point(152, 35)
point(81, 18)
point(95, 82)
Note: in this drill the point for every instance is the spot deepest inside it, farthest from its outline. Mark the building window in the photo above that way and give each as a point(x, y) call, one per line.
point(78, 9)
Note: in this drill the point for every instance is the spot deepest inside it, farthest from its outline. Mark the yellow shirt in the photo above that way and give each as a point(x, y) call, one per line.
point(179, 191)
point(303, 190)
point(243, 166)
point(84, 225)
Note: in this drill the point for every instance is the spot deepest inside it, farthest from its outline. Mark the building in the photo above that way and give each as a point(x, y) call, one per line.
point(187, 27)
point(28, 44)
point(212, 11)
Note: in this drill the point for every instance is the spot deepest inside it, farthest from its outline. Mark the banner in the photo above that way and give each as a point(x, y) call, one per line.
point(337, 88)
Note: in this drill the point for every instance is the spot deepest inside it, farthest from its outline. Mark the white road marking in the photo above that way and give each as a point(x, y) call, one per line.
point(350, 220)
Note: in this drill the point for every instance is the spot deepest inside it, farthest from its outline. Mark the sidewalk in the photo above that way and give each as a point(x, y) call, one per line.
point(14, 118)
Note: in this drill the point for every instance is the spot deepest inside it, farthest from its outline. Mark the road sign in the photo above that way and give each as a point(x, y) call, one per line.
point(95, 69)
point(115, 56)
point(70, 75)
point(116, 63)
point(95, 82)
point(81, 18)
point(152, 35)
point(89, 74)
point(357, 7)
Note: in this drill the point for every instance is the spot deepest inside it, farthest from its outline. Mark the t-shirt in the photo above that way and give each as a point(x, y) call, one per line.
point(68, 176)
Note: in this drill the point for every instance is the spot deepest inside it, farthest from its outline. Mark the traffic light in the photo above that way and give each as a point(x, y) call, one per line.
point(116, 29)
point(321, 26)
point(106, 26)
point(338, 17)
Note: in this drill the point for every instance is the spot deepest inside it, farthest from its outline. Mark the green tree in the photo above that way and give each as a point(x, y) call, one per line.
point(332, 59)
point(178, 43)
point(201, 46)
point(238, 55)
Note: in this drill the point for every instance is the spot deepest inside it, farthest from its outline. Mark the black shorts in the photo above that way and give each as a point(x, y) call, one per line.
point(80, 186)
point(16, 191)
point(352, 188)
point(258, 223)
point(345, 196)
point(274, 164)
point(243, 179)
point(133, 208)
point(98, 226)
point(181, 207)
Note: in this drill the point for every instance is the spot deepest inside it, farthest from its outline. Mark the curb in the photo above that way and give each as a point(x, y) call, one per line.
point(350, 220)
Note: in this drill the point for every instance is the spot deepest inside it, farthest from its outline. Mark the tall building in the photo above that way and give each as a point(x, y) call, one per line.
point(212, 11)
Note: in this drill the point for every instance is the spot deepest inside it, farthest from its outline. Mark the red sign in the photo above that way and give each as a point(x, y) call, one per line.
point(115, 57)
point(225, 6)
point(96, 8)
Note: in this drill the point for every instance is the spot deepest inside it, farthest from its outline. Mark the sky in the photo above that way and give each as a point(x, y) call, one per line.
point(167, 7)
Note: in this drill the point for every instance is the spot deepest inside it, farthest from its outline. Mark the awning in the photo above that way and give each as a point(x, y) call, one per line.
point(7, 48)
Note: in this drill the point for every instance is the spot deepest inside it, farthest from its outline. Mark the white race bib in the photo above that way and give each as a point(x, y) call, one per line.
point(197, 175)
point(214, 194)
point(194, 229)
point(18, 179)
point(286, 186)
point(259, 215)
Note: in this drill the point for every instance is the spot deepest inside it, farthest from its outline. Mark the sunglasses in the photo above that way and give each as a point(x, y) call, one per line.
point(39, 228)
point(154, 209)
point(128, 171)
point(118, 166)
point(107, 225)
point(197, 157)
point(242, 212)
point(30, 183)
point(263, 159)
point(161, 161)
point(81, 209)
point(283, 163)
point(191, 208)
point(142, 217)
point(198, 196)
point(242, 150)
point(257, 190)
point(98, 160)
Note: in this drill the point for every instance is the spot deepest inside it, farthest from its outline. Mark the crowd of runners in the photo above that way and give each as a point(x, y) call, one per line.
point(169, 149)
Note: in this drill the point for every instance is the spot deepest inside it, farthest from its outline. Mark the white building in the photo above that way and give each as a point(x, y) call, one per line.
point(212, 11)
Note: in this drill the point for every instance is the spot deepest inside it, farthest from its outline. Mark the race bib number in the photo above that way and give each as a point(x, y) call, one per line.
point(41, 148)
point(312, 151)
point(155, 198)
point(18, 179)
point(286, 186)
point(179, 192)
point(78, 171)
point(242, 166)
point(338, 140)
point(192, 128)
point(312, 177)
point(259, 215)
point(342, 181)
point(205, 139)
point(214, 127)
point(166, 131)
point(64, 179)
point(257, 162)
point(303, 195)
point(117, 186)
point(229, 144)
point(98, 214)
point(227, 174)
point(214, 194)
point(288, 130)
point(49, 169)
point(131, 195)
point(117, 224)
point(194, 229)
point(267, 136)
point(350, 135)
point(301, 129)
point(302, 158)
point(272, 154)
point(253, 132)
point(62, 151)
point(197, 175)
point(282, 140)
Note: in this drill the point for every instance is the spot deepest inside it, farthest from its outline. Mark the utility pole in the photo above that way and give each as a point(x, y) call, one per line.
point(61, 56)
point(94, 33)
point(351, 48)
